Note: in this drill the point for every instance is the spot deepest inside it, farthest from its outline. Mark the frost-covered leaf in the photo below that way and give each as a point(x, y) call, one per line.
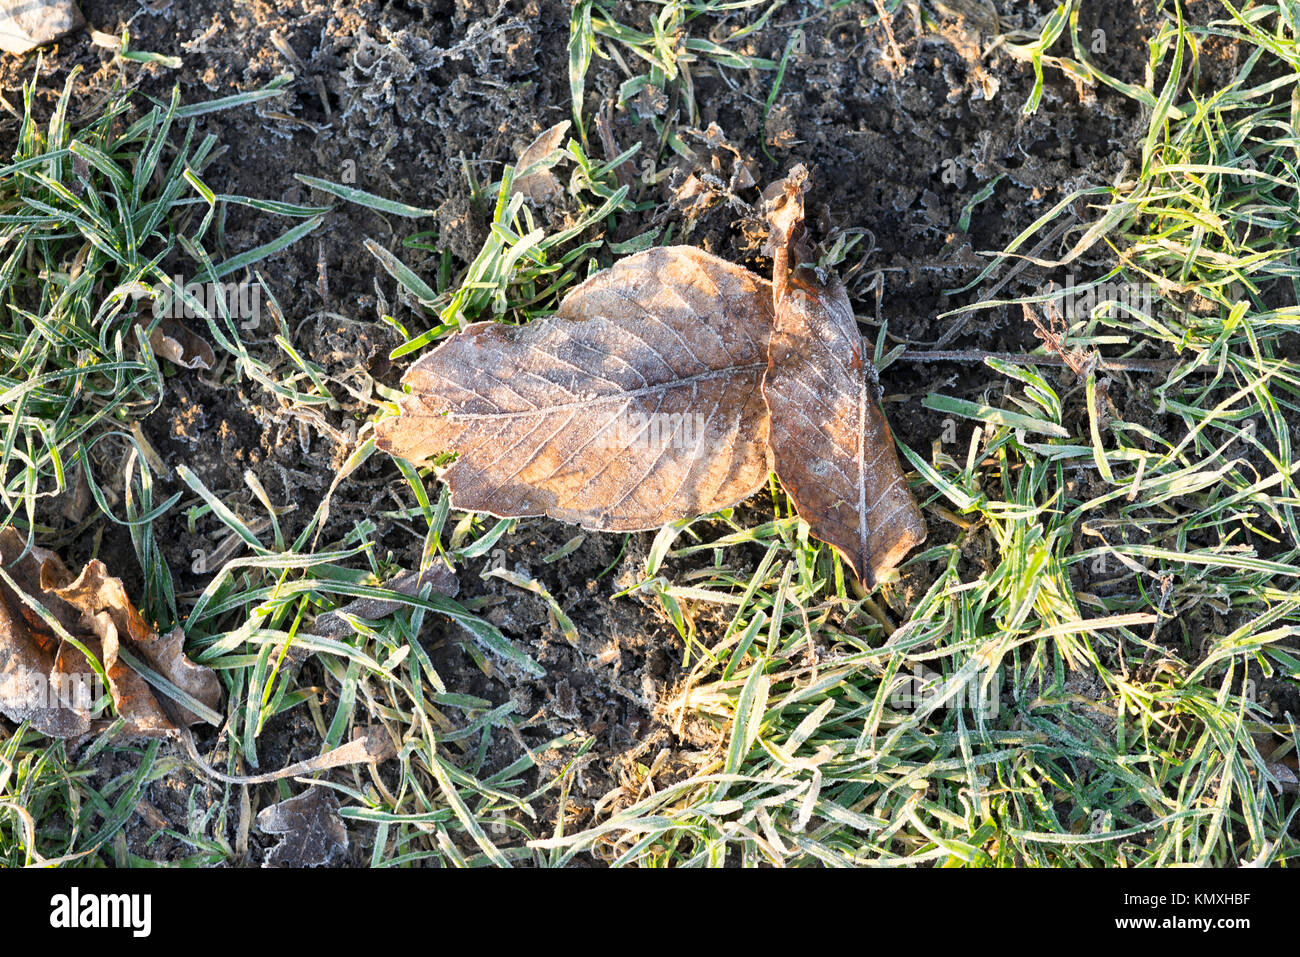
point(27, 24)
point(666, 387)
point(46, 679)
point(540, 185)
point(637, 404)
point(310, 829)
point(831, 446)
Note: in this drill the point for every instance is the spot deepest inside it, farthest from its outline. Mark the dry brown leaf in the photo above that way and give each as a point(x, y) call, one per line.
point(646, 400)
point(540, 186)
point(637, 404)
point(76, 498)
point(831, 446)
point(171, 339)
point(41, 680)
point(40, 671)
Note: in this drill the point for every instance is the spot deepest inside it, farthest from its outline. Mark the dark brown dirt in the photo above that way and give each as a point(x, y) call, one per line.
point(897, 149)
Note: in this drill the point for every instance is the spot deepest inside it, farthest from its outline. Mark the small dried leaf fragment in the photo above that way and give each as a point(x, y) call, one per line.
point(40, 679)
point(541, 185)
point(1279, 759)
point(76, 499)
point(637, 404)
point(171, 339)
point(831, 446)
point(42, 675)
point(310, 829)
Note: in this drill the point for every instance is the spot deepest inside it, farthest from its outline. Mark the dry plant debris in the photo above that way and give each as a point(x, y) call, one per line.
point(541, 186)
point(440, 579)
point(831, 445)
point(667, 387)
point(50, 622)
point(176, 342)
point(310, 829)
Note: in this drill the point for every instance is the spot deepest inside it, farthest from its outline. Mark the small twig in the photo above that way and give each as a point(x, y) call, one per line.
point(625, 172)
point(1052, 331)
point(895, 51)
point(1011, 273)
point(368, 747)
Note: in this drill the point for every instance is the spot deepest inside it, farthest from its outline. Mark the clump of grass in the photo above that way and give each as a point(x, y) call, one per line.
point(92, 216)
point(98, 218)
point(660, 60)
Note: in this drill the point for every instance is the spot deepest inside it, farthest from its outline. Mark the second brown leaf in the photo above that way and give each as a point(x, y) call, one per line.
point(831, 446)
